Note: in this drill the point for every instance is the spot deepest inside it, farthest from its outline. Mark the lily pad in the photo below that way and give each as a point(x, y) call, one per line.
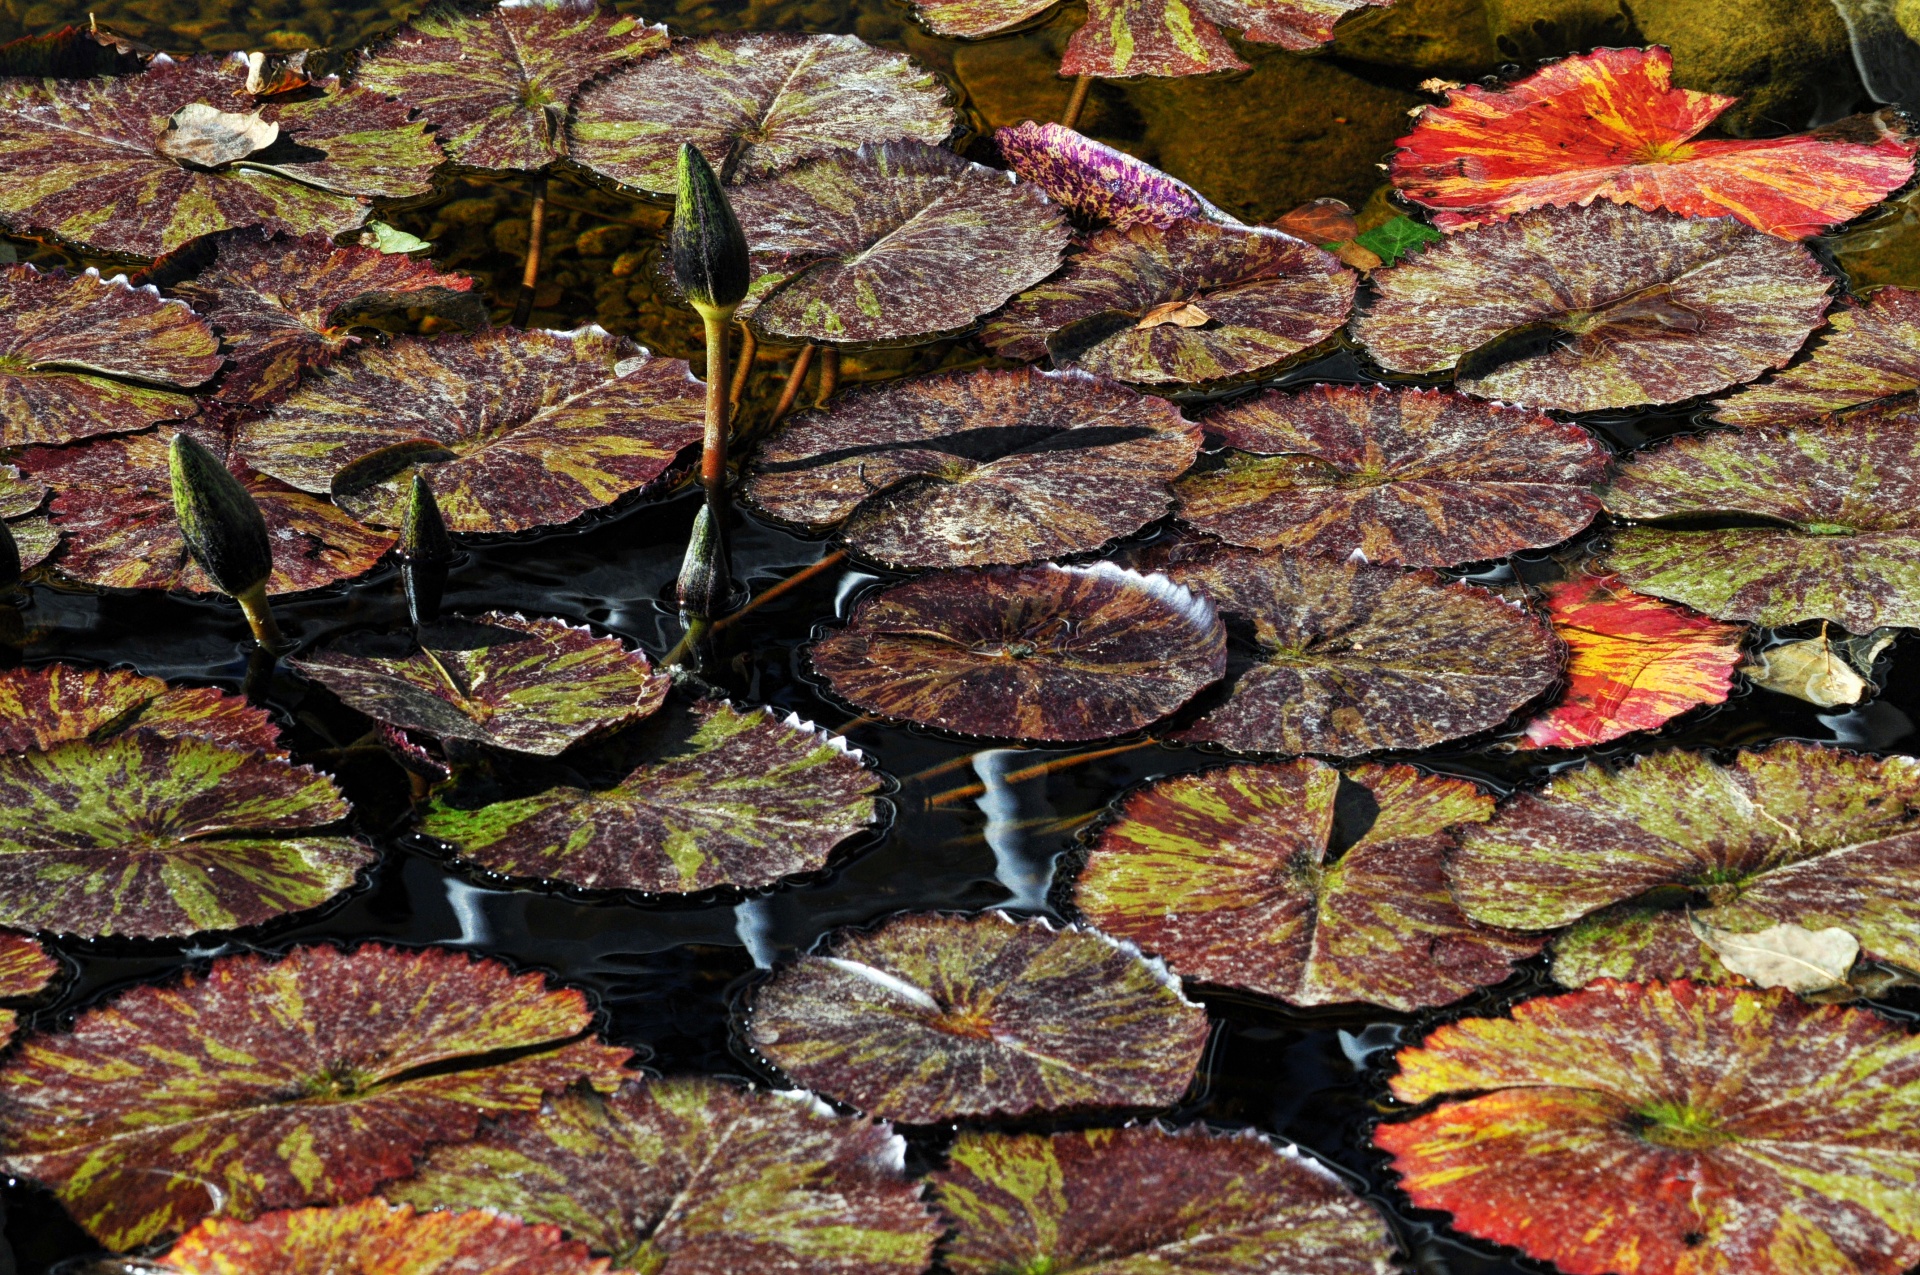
point(53, 703)
point(1151, 1199)
point(1610, 125)
point(25, 970)
point(1796, 833)
point(1848, 494)
point(1098, 182)
point(278, 1082)
point(103, 163)
point(1046, 652)
point(1634, 663)
point(696, 1177)
point(1229, 875)
point(895, 242)
point(977, 469)
point(755, 103)
point(496, 84)
point(20, 500)
point(1252, 298)
point(1421, 478)
point(1868, 354)
point(1598, 307)
point(1668, 1129)
point(932, 1017)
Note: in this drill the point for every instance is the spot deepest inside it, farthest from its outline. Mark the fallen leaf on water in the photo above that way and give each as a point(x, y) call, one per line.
point(1784, 955)
point(1321, 221)
point(1809, 669)
point(1181, 314)
point(198, 134)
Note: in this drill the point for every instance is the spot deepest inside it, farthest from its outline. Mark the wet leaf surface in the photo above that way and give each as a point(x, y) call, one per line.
point(932, 1017)
point(1153, 37)
point(1231, 876)
point(693, 1176)
point(272, 1083)
point(1598, 307)
point(1046, 652)
point(1098, 182)
point(25, 970)
point(1867, 354)
point(52, 703)
point(1420, 478)
point(1669, 1129)
point(978, 468)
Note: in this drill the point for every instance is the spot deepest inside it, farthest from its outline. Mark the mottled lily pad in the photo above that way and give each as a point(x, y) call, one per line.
point(1796, 833)
point(696, 1177)
point(1848, 494)
point(1186, 1202)
point(20, 500)
point(515, 429)
point(1421, 478)
point(1098, 182)
point(1597, 307)
point(1046, 652)
point(1867, 354)
point(895, 242)
point(932, 1017)
point(755, 103)
point(1261, 297)
point(1670, 1129)
point(1227, 875)
point(52, 703)
point(25, 970)
point(977, 469)
point(273, 1083)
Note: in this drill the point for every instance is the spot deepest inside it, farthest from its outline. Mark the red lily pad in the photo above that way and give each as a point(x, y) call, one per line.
point(755, 103)
point(1867, 355)
point(1610, 125)
point(932, 1017)
point(515, 429)
point(1151, 1199)
point(1098, 182)
point(696, 1176)
point(1598, 307)
point(1246, 298)
point(1669, 1129)
point(93, 160)
point(20, 501)
point(1226, 874)
point(1046, 652)
point(977, 469)
point(53, 703)
point(25, 970)
point(278, 1082)
point(1420, 478)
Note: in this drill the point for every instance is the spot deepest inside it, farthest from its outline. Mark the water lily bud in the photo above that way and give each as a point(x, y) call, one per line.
point(703, 586)
point(709, 249)
point(224, 530)
point(423, 537)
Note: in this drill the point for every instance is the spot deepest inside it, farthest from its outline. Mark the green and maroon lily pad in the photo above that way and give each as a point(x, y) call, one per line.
point(142, 163)
point(21, 499)
point(1420, 478)
point(277, 1082)
point(1226, 874)
point(1145, 1198)
point(532, 686)
point(1046, 652)
point(896, 242)
point(1867, 354)
point(496, 84)
point(1848, 494)
point(1193, 301)
point(977, 469)
point(933, 1017)
point(52, 703)
point(745, 799)
point(1796, 833)
point(1670, 1129)
point(515, 429)
point(25, 970)
point(755, 103)
point(696, 1177)
point(1593, 307)
point(1098, 182)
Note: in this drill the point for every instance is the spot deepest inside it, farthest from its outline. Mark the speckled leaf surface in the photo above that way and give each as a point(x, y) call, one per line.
point(1227, 875)
point(693, 1176)
point(972, 19)
point(1598, 307)
point(1796, 833)
point(1046, 652)
point(50, 704)
point(1849, 494)
point(1609, 125)
point(894, 242)
point(746, 799)
point(496, 84)
point(1149, 1199)
point(755, 103)
point(1098, 182)
point(530, 685)
point(21, 499)
point(79, 158)
point(1266, 297)
point(1868, 353)
point(1670, 1129)
point(932, 1017)
point(273, 1083)
point(25, 970)
point(1420, 478)
point(976, 469)
point(1153, 37)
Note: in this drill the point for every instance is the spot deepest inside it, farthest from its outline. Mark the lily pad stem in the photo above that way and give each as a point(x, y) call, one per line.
point(829, 375)
point(791, 390)
point(952, 795)
point(1070, 118)
point(266, 630)
point(536, 232)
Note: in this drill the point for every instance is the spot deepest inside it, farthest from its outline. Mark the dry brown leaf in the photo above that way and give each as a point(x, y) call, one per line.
point(1809, 669)
point(207, 136)
point(1784, 955)
point(1181, 314)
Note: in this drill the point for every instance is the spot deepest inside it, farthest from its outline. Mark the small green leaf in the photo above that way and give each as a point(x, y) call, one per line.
point(391, 239)
point(1401, 237)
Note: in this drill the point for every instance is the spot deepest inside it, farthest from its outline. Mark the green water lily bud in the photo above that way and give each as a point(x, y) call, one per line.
point(703, 585)
point(224, 530)
point(709, 249)
point(423, 536)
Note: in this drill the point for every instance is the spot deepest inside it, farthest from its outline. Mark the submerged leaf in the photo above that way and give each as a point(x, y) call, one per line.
point(1867, 354)
point(932, 1017)
point(1397, 238)
point(1784, 955)
point(1099, 182)
point(53, 703)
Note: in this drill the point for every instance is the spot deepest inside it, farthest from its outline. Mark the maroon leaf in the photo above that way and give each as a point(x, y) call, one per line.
point(1867, 354)
point(25, 970)
point(53, 703)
